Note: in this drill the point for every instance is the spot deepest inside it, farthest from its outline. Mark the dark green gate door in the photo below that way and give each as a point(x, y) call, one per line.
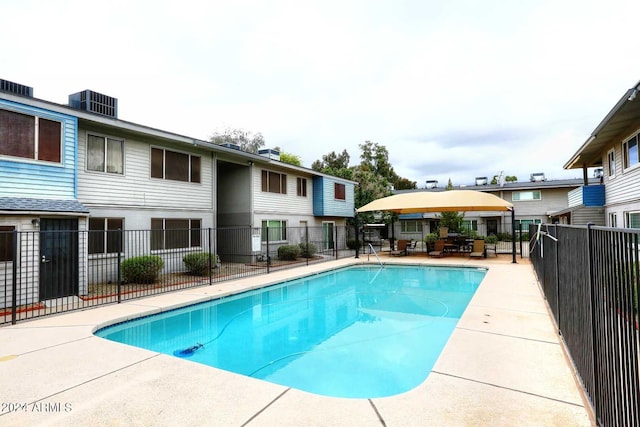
point(58, 258)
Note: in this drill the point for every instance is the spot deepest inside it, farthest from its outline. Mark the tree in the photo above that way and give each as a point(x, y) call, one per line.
point(451, 220)
point(334, 164)
point(247, 141)
point(405, 184)
point(375, 158)
point(332, 161)
point(289, 158)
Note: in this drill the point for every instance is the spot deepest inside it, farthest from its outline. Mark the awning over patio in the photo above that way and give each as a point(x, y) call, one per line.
point(443, 201)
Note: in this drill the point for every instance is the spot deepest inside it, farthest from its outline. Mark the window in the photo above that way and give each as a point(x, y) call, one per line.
point(630, 152)
point(469, 224)
point(171, 233)
point(175, 166)
point(523, 224)
point(274, 182)
point(613, 220)
point(519, 196)
point(104, 237)
point(302, 187)
point(633, 219)
point(275, 230)
point(30, 137)
point(611, 162)
point(339, 191)
point(6, 243)
point(411, 226)
point(105, 154)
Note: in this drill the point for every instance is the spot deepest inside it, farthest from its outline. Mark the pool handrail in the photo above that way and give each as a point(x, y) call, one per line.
point(374, 252)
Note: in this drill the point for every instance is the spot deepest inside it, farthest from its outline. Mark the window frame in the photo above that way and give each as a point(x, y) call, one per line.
point(628, 220)
point(527, 222)
point(273, 182)
point(105, 236)
point(6, 244)
point(626, 157)
point(417, 226)
point(301, 187)
point(520, 193)
point(191, 235)
point(189, 173)
point(279, 232)
point(105, 146)
point(339, 191)
point(611, 163)
point(35, 138)
point(469, 224)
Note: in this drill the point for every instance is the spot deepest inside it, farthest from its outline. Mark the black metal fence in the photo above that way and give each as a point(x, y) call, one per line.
point(589, 276)
point(48, 272)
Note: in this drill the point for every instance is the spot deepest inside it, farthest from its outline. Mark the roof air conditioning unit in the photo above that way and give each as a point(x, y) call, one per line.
point(94, 102)
point(270, 153)
point(15, 88)
point(537, 177)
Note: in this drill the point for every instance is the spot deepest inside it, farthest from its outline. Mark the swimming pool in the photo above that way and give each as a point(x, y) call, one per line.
point(357, 332)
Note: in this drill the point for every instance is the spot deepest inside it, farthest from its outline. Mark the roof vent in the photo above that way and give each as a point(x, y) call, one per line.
point(270, 153)
point(18, 89)
point(432, 183)
point(537, 177)
point(481, 180)
point(231, 145)
point(94, 102)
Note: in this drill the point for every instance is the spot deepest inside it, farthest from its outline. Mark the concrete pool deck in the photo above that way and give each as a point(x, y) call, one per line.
point(503, 366)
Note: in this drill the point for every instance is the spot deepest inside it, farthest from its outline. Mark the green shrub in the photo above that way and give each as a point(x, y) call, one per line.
point(352, 244)
point(197, 264)
point(142, 269)
point(307, 250)
point(288, 252)
point(492, 239)
point(504, 237)
point(431, 237)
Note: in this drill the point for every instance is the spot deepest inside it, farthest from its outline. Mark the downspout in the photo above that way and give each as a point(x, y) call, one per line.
point(513, 235)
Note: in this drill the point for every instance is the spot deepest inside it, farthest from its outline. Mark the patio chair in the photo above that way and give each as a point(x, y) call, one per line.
point(444, 232)
point(401, 249)
point(478, 249)
point(438, 249)
point(412, 246)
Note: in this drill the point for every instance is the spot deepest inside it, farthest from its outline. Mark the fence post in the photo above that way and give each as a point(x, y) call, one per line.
point(520, 238)
point(118, 267)
point(557, 275)
point(335, 241)
point(212, 254)
point(268, 254)
point(513, 234)
point(357, 237)
point(14, 278)
point(306, 240)
point(596, 374)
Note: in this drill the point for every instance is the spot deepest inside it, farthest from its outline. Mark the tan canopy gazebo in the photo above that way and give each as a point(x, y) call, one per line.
point(443, 201)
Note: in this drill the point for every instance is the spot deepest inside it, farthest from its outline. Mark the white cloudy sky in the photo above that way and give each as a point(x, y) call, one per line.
point(453, 88)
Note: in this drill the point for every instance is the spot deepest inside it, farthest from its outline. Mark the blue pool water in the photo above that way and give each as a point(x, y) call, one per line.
point(358, 332)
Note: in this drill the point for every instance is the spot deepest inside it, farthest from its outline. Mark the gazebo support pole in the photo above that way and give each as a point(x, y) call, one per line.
point(513, 235)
